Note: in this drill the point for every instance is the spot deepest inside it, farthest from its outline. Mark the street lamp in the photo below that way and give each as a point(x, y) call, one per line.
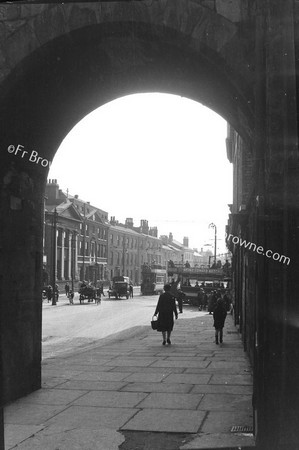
point(212, 225)
point(54, 262)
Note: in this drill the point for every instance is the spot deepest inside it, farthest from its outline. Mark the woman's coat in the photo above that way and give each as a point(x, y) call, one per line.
point(166, 308)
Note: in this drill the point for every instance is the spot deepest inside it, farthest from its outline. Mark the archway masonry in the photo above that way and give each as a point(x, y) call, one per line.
point(61, 61)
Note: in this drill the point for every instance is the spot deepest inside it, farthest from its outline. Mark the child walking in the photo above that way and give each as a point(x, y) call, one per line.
point(219, 315)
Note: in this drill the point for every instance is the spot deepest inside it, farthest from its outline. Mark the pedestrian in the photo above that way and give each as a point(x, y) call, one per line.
point(212, 302)
point(131, 290)
point(200, 300)
point(166, 308)
point(56, 293)
point(49, 293)
point(71, 296)
point(180, 296)
point(205, 300)
point(67, 289)
point(226, 301)
point(219, 315)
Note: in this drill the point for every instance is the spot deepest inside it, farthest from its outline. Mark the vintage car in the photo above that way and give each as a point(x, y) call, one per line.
point(120, 287)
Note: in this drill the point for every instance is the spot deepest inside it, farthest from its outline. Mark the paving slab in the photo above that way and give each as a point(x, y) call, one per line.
point(20, 413)
point(14, 434)
point(60, 372)
point(88, 385)
point(101, 376)
point(220, 388)
point(146, 377)
point(92, 417)
point(188, 378)
point(81, 369)
point(222, 422)
point(157, 387)
point(51, 438)
point(171, 401)
point(231, 379)
point(150, 369)
point(166, 420)
point(180, 363)
point(53, 396)
point(111, 399)
point(143, 362)
point(226, 402)
point(51, 382)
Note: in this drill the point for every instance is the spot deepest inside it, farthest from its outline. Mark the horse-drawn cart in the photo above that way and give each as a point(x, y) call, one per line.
point(87, 292)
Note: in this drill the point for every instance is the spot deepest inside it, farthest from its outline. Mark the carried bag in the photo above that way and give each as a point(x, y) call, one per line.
point(154, 323)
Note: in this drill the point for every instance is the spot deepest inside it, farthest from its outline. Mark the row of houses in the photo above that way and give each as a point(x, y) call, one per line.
point(81, 243)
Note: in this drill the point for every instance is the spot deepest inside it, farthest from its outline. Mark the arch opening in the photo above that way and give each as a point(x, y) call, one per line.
point(45, 97)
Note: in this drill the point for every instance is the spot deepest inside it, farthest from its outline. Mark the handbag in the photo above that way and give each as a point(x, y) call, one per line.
point(154, 323)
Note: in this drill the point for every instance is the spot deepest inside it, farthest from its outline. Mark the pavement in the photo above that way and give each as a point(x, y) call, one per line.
point(129, 392)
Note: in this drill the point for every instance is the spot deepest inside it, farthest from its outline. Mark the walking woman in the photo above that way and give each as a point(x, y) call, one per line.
point(166, 308)
point(219, 315)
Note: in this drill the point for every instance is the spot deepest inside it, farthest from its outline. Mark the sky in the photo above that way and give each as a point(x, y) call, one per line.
point(157, 157)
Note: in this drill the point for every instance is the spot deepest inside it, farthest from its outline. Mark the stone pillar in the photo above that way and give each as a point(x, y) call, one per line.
point(277, 335)
point(70, 256)
point(62, 254)
point(21, 239)
point(76, 274)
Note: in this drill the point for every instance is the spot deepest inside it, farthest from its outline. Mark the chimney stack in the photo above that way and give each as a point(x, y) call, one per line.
point(144, 227)
point(186, 242)
point(129, 222)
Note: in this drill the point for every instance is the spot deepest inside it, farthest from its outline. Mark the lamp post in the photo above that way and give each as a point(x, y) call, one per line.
point(54, 251)
point(212, 225)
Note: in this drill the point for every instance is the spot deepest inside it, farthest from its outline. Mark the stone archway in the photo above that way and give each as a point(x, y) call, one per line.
point(63, 62)
point(44, 97)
